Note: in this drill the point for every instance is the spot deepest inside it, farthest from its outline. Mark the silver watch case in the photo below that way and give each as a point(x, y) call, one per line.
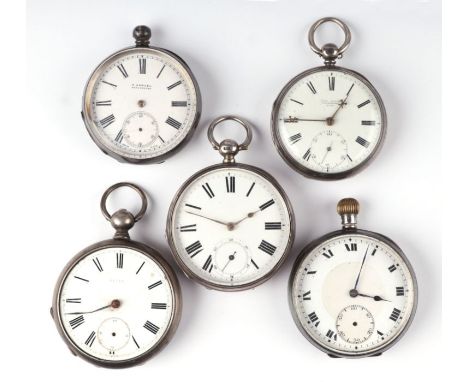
point(179, 259)
point(91, 127)
point(176, 301)
point(317, 243)
point(283, 151)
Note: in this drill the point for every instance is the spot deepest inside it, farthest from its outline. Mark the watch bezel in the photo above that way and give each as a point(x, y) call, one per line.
point(296, 268)
point(176, 301)
point(283, 150)
point(91, 127)
point(179, 259)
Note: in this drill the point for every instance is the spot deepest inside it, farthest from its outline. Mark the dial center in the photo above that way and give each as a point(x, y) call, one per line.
point(115, 304)
point(141, 103)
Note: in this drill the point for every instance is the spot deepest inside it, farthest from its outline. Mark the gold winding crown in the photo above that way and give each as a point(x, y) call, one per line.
point(347, 206)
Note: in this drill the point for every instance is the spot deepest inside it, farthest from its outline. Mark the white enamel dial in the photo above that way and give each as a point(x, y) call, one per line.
point(329, 121)
point(353, 294)
point(116, 304)
point(230, 227)
point(141, 103)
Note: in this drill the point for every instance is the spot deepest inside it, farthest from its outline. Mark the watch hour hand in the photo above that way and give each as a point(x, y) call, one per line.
point(114, 304)
point(376, 298)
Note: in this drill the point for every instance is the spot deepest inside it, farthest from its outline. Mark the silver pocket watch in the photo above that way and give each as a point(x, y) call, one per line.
point(328, 122)
point(142, 103)
point(117, 302)
point(231, 225)
point(352, 293)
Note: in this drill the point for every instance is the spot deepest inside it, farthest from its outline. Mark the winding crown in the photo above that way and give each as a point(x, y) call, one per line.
point(347, 206)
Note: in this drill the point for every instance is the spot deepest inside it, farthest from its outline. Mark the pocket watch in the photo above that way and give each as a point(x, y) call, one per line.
point(231, 225)
point(142, 103)
point(352, 293)
point(328, 122)
point(117, 302)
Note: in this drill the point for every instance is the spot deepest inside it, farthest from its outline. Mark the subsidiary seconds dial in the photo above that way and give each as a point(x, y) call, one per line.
point(141, 103)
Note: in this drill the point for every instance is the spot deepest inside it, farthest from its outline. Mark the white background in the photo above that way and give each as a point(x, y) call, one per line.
point(242, 53)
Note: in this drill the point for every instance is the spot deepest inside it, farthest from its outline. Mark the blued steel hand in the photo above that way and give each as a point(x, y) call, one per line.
point(360, 270)
point(208, 218)
point(114, 304)
point(249, 215)
point(376, 298)
point(295, 120)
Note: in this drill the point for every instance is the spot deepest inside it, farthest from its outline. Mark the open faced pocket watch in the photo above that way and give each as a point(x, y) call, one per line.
point(230, 226)
point(328, 122)
point(352, 293)
point(117, 302)
point(142, 103)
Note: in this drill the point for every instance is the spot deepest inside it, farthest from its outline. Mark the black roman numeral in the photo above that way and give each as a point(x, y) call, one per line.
point(119, 137)
point(142, 65)
point(368, 123)
point(230, 184)
point(400, 291)
point(395, 314)
point(192, 206)
point(362, 142)
point(306, 155)
point(110, 84)
point(331, 335)
point(179, 103)
point(119, 256)
point(311, 272)
point(295, 138)
point(374, 252)
point(267, 204)
point(141, 266)
point(90, 340)
point(314, 319)
point(174, 85)
point(73, 300)
point(298, 102)
point(331, 83)
point(98, 265)
point(266, 247)
point(77, 321)
point(110, 119)
point(194, 249)
point(351, 247)
point(306, 296)
point(208, 190)
point(328, 254)
point(392, 268)
point(250, 189)
point(103, 103)
point(151, 327)
point(81, 278)
point(158, 305)
point(172, 122)
point(311, 87)
point(160, 71)
point(154, 285)
point(254, 263)
point(188, 228)
point(363, 104)
point(122, 70)
point(136, 343)
point(208, 266)
point(272, 225)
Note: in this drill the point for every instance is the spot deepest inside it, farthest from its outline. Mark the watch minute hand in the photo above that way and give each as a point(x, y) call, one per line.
point(208, 218)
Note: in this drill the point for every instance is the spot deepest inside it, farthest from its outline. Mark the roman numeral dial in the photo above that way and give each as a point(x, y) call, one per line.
point(93, 295)
point(369, 313)
point(141, 106)
point(229, 227)
point(328, 122)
